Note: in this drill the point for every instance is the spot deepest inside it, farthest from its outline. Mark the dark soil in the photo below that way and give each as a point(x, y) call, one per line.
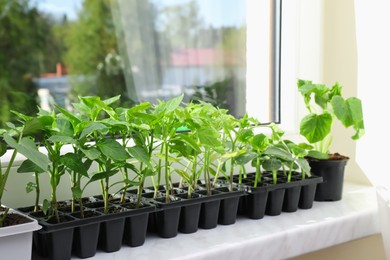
point(332, 156)
point(15, 219)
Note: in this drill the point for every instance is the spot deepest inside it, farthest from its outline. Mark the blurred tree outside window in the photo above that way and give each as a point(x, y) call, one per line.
point(52, 51)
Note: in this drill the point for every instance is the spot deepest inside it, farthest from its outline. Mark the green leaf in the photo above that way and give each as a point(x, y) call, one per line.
point(318, 155)
point(209, 136)
point(64, 127)
point(92, 153)
point(32, 126)
point(304, 165)
point(45, 206)
point(342, 111)
point(30, 186)
point(24, 117)
point(316, 127)
point(109, 101)
point(73, 119)
point(279, 153)
point(244, 135)
point(189, 140)
point(141, 155)
point(272, 164)
point(74, 162)
point(148, 172)
point(101, 176)
point(62, 139)
point(28, 148)
point(28, 166)
point(173, 104)
point(184, 175)
point(92, 127)
point(260, 142)
point(355, 106)
point(245, 158)
point(112, 149)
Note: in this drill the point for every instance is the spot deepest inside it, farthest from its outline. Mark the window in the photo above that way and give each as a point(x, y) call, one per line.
point(223, 51)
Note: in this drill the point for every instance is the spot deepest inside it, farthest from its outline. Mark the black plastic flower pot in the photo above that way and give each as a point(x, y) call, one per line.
point(85, 236)
point(85, 240)
point(167, 222)
point(209, 211)
point(241, 205)
point(136, 224)
point(332, 172)
point(189, 214)
point(167, 216)
point(255, 200)
point(291, 198)
point(54, 240)
point(275, 202)
point(308, 190)
point(229, 206)
point(55, 244)
point(111, 234)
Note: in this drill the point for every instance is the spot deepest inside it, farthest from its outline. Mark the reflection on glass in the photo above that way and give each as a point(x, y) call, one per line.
point(53, 51)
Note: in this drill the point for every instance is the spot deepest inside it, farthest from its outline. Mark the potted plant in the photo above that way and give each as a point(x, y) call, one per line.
point(326, 104)
point(16, 229)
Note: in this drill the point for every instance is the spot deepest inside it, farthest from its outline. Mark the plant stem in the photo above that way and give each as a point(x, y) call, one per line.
point(37, 192)
point(3, 217)
point(4, 177)
point(258, 176)
point(167, 186)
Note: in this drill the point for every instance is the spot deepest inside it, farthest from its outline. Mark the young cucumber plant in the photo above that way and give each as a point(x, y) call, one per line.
point(324, 105)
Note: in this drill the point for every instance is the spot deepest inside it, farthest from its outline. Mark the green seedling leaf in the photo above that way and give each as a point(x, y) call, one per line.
point(24, 117)
point(28, 148)
point(28, 166)
point(272, 164)
point(10, 125)
point(30, 186)
point(74, 162)
point(245, 135)
point(209, 136)
point(141, 155)
point(172, 104)
point(342, 111)
point(148, 172)
point(184, 175)
point(188, 140)
point(92, 153)
point(316, 127)
point(279, 153)
point(318, 155)
point(245, 158)
point(355, 106)
point(112, 149)
point(64, 127)
point(101, 176)
point(62, 139)
point(92, 127)
point(260, 142)
point(45, 206)
point(109, 101)
point(32, 126)
point(304, 165)
point(73, 119)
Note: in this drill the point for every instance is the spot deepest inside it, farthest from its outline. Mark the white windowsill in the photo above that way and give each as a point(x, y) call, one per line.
point(273, 237)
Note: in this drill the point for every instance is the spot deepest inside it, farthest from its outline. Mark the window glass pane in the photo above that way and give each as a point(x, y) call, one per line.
point(220, 51)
